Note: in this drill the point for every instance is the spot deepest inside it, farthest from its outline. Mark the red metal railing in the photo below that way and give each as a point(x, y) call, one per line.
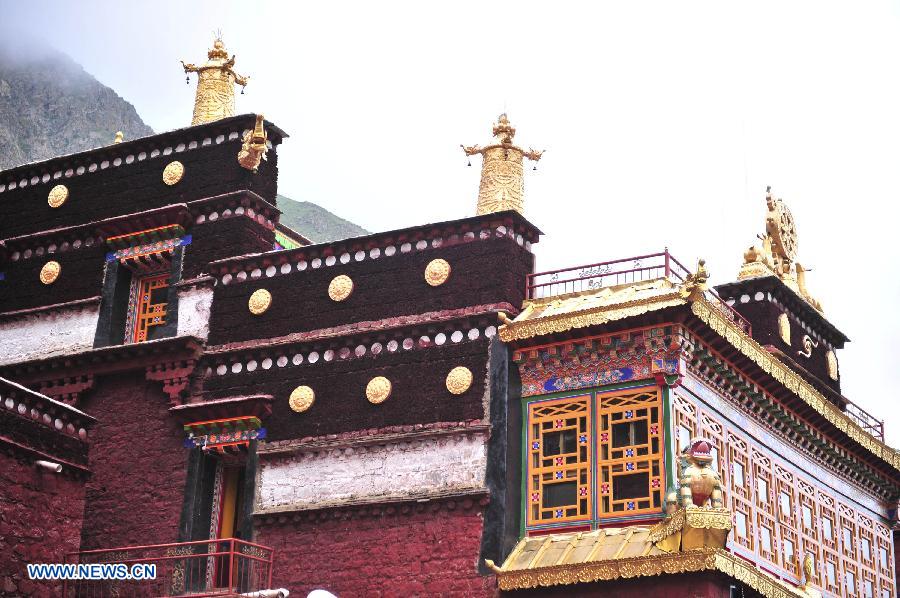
point(197, 569)
point(621, 271)
point(650, 267)
point(866, 420)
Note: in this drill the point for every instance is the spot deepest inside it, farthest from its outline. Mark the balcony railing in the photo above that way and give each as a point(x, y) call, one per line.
point(622, 271)
point(196, 569)
point(865, 420)
point(650, 267)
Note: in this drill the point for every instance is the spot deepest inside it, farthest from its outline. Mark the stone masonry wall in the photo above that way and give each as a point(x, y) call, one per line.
point(80, 277)
point(440, 464)
point(426, 549)
point(483, 272)
point(223, 238)
point(419, 393)
point(138, 462)
point(40, 521)
point(48, 333)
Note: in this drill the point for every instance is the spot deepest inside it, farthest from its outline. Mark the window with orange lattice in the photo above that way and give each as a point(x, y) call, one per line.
point(148, 307)
point(594, 456)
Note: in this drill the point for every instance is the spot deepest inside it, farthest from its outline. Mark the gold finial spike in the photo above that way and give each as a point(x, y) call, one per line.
point(120, 137)
point(215, 85)
point(502, 182)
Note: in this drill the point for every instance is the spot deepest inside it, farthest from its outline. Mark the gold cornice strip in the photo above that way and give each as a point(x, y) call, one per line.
point(736, 337)
point(648, 566)
point(582, 319)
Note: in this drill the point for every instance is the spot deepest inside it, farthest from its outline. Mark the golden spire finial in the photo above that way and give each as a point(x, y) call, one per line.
point(502, 182)
point(777, 255)
point(215, 85)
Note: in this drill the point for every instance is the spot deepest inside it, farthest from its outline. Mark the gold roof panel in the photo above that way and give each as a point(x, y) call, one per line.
point(590, 308)
point(621, 553)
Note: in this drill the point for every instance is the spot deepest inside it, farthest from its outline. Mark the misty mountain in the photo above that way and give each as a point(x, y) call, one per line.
point(50, 106)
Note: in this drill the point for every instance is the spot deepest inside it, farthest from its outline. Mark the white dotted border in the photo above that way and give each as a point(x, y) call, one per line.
point(118, 161)
point(61, 425)
point(251, 363)
point(301, 262)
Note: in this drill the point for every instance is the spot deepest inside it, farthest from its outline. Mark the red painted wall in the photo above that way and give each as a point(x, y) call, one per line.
point(139, 465)
point(40, 521)
point(428, 550)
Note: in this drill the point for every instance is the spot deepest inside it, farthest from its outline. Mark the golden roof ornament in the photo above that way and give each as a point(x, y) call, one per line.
point(254, 146)
point(120, 137)
point(215, 85)
point(776, 255)
point(502, 181)
point(695, 284)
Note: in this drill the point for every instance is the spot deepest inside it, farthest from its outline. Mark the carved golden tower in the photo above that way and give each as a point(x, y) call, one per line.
point(215, 85)
point(502, 180)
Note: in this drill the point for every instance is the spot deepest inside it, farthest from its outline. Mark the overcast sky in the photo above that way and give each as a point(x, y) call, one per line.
point(663, 123)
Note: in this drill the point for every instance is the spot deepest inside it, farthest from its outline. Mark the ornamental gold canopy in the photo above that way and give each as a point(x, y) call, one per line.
point(777, 254)
point(502, 182)
point(215, 85)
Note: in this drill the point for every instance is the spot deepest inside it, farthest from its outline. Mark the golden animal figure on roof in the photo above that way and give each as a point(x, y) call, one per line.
point(502, 182)
point(215, 85)
point(254, 146)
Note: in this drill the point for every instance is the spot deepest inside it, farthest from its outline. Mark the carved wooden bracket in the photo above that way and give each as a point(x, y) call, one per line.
point(67, 390)
point(175, 376)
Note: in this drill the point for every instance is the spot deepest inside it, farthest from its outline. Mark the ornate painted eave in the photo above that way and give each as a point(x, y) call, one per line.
point(251, 405)
point(591, 308)
point(596, 307)
point(175, 214)
point(704, 559)
point(169, 360)
point(791, 380)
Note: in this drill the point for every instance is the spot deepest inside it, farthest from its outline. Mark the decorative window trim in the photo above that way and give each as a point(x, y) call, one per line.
point(135, 302)
point(594, 476)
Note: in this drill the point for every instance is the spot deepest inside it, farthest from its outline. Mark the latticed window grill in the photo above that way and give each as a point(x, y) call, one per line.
point(782, 517)
point(149, 306)
point(560, 465)
point(594, 456)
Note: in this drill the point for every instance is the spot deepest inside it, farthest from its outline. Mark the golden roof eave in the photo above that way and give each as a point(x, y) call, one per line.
point(531, 322)
point(567, 316)
point(795, 383)
point(704, 559)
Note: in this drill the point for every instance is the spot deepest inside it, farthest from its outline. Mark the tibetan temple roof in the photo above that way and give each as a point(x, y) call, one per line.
point(689, 540)
point(583, 309)
point(590, 308)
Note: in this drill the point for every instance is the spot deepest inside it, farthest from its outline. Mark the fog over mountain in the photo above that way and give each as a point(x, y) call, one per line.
point(49, 106)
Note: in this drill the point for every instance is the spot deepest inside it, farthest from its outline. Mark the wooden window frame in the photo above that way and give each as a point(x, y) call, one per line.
point(601, 410)
point(141, 321)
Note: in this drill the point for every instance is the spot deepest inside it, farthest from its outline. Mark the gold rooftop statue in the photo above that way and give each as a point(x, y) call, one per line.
point(215, 85)
point(777, 254)
point(502, 182)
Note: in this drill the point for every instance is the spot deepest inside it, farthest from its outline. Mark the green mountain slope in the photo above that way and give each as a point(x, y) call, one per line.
point(315, 222)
